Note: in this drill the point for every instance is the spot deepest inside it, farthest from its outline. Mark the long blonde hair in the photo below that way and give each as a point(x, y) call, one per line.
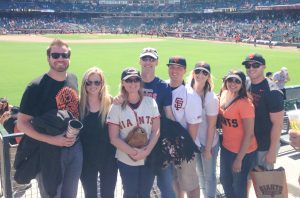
point(103, 96)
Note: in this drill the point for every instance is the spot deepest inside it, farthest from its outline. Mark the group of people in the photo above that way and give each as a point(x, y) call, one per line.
point(251, 122)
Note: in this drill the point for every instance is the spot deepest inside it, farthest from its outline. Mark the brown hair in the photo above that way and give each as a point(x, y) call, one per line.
point(57, 42)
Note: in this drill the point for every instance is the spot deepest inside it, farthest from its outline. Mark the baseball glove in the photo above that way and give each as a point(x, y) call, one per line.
point(137, 137)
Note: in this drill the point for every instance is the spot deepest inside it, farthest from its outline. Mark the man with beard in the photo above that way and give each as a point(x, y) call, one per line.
point(56, 90)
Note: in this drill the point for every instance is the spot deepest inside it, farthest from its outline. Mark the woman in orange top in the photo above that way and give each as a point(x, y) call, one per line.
point(239, 145)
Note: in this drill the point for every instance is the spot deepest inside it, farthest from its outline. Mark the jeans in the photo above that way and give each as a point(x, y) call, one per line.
point(108, 178)
point(207, 171)
point(137, 180)
point(165, 182)
point(235, 183)
point(71, 165)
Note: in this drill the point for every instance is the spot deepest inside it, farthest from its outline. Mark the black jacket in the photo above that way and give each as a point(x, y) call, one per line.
point(34, 156)
point(174, 146)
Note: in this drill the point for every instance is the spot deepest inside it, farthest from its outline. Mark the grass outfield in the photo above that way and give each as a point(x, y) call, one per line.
point(20, 62)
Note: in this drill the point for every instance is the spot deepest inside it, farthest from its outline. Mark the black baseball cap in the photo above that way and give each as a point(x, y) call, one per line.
point(254, 58)
point(130, 72)
point(177, 60)
point(202, 65)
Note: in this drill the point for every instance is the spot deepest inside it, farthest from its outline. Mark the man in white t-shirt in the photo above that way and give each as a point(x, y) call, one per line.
point(187, 110)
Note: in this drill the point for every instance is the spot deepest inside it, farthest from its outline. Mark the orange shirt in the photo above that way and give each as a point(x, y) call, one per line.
point(232, 124)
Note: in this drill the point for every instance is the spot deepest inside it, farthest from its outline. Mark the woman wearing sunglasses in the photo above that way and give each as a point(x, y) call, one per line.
point(239, 145)
point(135, 111)
point(207, 138)
point(98, 153)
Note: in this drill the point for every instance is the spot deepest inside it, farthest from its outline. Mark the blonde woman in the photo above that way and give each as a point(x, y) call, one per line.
point(98, 153)
point(207, 138)
point(135, 111)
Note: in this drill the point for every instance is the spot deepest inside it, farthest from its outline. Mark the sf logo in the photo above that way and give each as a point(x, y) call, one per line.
point(178, 103)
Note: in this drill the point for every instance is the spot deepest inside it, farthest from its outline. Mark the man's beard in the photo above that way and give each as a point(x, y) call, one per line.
point(59, 68)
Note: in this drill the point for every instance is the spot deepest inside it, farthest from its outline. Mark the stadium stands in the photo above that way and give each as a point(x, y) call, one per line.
point(217, 20)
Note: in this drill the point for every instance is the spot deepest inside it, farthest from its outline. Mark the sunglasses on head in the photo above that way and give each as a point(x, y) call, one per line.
point(62, 55)
point(254, 65)
point(148, 58)
point(235, 80)
point(131, 80)
point(198, 71)
point(90, 82)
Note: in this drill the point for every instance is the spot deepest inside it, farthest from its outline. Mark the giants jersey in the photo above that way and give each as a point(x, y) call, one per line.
point(128, 118)
point(186, 106)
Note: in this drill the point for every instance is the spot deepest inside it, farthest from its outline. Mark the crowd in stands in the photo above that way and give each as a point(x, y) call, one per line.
point(184, 6)
point(224, 27)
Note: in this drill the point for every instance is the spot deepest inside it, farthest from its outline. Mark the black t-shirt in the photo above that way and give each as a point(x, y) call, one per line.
point(267, 98)
point(95, 141)
point(44, 94)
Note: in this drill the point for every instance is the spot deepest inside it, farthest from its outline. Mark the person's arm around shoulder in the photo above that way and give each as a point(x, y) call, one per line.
point(25, 126)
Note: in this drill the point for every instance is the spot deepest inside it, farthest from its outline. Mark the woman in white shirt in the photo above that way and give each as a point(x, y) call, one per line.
point(207, 138)
point(135, 111)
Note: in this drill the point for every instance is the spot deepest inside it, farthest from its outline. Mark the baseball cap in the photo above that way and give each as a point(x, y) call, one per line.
point(202, 65)
point(148, 51)
point(255, 58)
point(130, 72)
point(177, 60)
point(236, 74)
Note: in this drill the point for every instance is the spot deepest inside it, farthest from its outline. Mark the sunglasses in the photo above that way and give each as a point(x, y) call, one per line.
point(253, 65)
point(235, 80)
point(90, 82)
point(145, 59)
point(62, 55)
point(131, 80)
point(198, 71)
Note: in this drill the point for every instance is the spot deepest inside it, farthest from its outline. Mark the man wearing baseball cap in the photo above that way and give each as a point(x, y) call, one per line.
point(159, 90)
point(268, 102)
point(187, 110)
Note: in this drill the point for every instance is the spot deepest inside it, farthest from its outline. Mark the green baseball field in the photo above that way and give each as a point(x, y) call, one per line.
point(23, 58)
